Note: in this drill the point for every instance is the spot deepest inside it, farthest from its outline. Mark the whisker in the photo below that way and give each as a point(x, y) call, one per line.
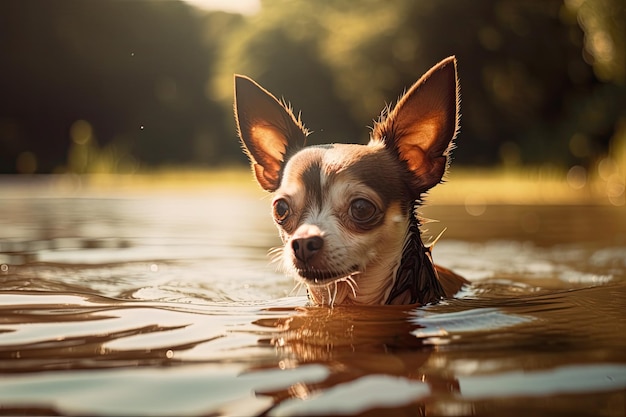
point(275, 254)
point(275, 249)
point(329, 297)
point(296, 288)
point(332, 301)
point(352, 284)
point(352, 280)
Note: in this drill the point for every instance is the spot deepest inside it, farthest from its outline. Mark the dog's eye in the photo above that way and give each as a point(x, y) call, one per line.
point(281, 210)
point(362, 210)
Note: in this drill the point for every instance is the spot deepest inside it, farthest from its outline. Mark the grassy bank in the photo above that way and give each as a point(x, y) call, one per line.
point(473, 187)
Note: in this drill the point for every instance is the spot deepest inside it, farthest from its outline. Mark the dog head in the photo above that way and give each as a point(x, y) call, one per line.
point(342, 210)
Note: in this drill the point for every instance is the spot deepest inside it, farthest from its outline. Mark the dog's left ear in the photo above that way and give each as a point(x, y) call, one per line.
point(268, 130)
point(421, 127)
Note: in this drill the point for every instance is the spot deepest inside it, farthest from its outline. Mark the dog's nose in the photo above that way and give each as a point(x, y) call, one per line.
point(305, 248)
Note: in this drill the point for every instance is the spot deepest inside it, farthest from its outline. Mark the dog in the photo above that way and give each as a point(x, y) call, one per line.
point(346, 213)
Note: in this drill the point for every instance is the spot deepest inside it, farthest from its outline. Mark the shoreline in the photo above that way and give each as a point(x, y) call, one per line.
point(462, 186)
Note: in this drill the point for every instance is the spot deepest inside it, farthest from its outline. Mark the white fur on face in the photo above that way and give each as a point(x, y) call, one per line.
point(357, 263)
point(378, 253)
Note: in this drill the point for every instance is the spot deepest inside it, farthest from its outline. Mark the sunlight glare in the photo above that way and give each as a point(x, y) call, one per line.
point(245, 7)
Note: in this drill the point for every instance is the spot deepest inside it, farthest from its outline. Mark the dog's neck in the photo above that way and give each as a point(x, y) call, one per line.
point(405, 274)
point(416, 279)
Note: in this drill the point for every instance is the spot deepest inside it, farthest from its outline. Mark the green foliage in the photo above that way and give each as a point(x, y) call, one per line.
point(527, 91)
point(133, 70)
point(541, 81)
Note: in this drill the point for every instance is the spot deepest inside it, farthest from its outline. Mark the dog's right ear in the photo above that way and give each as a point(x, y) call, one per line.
point(268, 130)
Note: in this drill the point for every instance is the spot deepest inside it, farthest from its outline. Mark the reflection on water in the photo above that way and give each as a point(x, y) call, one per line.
point(167, 305)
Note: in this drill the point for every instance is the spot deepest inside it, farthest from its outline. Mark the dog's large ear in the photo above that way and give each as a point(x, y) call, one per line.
point(268, 130)
point(421, 127)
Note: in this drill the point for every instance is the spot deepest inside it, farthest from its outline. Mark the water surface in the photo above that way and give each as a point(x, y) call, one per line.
point(165, 303)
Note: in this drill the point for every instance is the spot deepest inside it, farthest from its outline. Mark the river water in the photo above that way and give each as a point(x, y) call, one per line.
point(165, 303)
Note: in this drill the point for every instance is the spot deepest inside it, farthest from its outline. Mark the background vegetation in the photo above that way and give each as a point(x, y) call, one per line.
point(117, 86)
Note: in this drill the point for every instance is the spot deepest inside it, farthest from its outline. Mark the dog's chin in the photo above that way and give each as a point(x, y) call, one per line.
point(318, 277)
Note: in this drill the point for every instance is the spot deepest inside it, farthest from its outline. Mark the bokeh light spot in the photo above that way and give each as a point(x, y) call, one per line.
point(577, 177)
point(475, 204)
point(81, 132)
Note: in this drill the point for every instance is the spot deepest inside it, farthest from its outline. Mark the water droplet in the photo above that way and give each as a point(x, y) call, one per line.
point(4, 268)
point(141, 127)
point(154, 268)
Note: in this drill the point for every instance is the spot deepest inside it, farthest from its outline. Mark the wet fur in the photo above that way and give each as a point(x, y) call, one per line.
point(347, 213)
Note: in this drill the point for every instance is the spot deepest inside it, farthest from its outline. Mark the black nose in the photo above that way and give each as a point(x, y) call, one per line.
point(305, 248)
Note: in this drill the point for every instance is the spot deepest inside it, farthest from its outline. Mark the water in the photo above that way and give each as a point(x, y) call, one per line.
point(164, 303)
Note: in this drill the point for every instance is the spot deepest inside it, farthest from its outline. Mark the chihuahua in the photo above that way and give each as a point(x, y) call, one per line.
point(346, 213)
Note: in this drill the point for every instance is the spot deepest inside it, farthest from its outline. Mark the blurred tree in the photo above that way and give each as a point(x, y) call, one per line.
point(528, 94)
point(604, 22)
point(541, 81)
point(605, 37)
point(135, 71)
point(280, 49)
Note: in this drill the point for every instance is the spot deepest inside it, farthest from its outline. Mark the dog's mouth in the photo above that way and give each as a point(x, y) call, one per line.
point(324, 277)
